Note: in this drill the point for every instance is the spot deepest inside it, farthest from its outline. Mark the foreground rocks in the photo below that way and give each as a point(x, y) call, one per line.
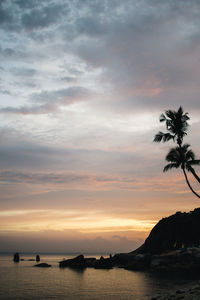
point(80, 262)
point(184, 262)
point(189, 293)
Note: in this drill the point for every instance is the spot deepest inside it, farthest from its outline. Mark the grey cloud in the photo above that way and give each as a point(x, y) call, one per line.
point(27, 4)
point(5, 15)
point(24, 72)
point(14, 176)
point(25, 153)
point(68, 79)
point(64, 96)
point(43, 241)
point(90, 26)
point(40, 178)
point(48, 102)
point(43, 17)
point(144, 51)
point(5, 92)
point(20, 15)
point(75, 71)
point(7, 52)
point(33, 110)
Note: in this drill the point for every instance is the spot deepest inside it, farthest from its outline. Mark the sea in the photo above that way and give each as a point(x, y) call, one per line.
point(23, 281)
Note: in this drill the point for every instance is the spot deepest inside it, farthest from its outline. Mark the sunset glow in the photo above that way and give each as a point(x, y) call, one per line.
point(82, 86)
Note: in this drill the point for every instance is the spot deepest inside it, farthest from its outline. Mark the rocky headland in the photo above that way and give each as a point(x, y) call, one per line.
point(171, 247)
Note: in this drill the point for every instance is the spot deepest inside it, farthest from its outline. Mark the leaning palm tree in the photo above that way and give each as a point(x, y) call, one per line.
point(182, 157)
point(176, 125)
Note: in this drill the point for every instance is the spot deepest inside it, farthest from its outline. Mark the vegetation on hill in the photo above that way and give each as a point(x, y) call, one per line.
point(177, 231)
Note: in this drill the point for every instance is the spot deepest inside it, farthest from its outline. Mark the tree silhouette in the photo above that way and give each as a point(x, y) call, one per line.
point(177, 126)
point(184, 158)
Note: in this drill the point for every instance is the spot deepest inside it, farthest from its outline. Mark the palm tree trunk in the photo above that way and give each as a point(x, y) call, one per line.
point(189, 183)
point(194, 174)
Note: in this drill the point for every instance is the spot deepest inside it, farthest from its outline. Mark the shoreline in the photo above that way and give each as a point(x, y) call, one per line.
point(189, 291)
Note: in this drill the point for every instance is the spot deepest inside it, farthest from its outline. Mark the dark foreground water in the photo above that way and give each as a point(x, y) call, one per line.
point(23, 281)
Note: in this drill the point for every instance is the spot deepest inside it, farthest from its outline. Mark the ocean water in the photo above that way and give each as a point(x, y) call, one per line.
point(23, 281)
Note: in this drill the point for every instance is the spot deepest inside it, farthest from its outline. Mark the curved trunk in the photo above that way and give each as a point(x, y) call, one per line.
point(189, 184)
point(194, 174)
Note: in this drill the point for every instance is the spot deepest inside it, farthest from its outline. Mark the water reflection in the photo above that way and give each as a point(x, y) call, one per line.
point(22, 281)
point(76, 270)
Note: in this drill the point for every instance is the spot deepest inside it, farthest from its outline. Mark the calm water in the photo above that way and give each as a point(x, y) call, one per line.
point(23, 281)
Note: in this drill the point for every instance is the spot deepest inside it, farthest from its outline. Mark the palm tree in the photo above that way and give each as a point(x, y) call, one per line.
point(176, 125)
point(182, 157)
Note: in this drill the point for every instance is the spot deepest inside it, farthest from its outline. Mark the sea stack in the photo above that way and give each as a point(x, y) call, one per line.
point(37, 258)
point(16, 257)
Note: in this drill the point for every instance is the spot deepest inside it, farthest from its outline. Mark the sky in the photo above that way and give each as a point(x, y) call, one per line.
point(82, 85)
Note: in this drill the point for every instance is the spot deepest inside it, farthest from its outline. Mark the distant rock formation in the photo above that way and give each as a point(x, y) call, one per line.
point(16, 257)
point(77, 262)
point(43, 265)
point(173, 245)
point(104, 263)
point(80, 262)
point(37, 258)
point(177, 231)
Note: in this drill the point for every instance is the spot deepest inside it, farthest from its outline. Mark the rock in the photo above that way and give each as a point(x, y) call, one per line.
point(43, 265)
point(123, 259)
point(178, 231)
point(78, 262)
point(16, 257)
point(105, 263)
point(90, 262)
point(37, 258)
point(139, 262)
point(155, 263)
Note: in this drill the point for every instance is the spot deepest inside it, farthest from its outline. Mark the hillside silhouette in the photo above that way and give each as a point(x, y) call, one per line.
point(180, 230)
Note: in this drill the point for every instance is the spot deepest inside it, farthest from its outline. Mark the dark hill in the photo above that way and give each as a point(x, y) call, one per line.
point(177, 231)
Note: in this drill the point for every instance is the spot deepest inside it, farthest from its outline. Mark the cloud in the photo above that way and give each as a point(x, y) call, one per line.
point(5, 16)
point(43, 16)
point(68, 95)
point(49, 101)
point(45, 243)
point(146, 51)
point(82, 87)
point(30, 110)
point(24, 72)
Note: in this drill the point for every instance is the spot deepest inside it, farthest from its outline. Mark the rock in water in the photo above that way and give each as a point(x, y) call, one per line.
point(37, 258)
point(43, 265)
point(104, 263)
point(16, 257)
point(78, 262)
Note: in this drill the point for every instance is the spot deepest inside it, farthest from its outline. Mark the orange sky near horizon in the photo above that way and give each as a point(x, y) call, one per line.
point(82, 86)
